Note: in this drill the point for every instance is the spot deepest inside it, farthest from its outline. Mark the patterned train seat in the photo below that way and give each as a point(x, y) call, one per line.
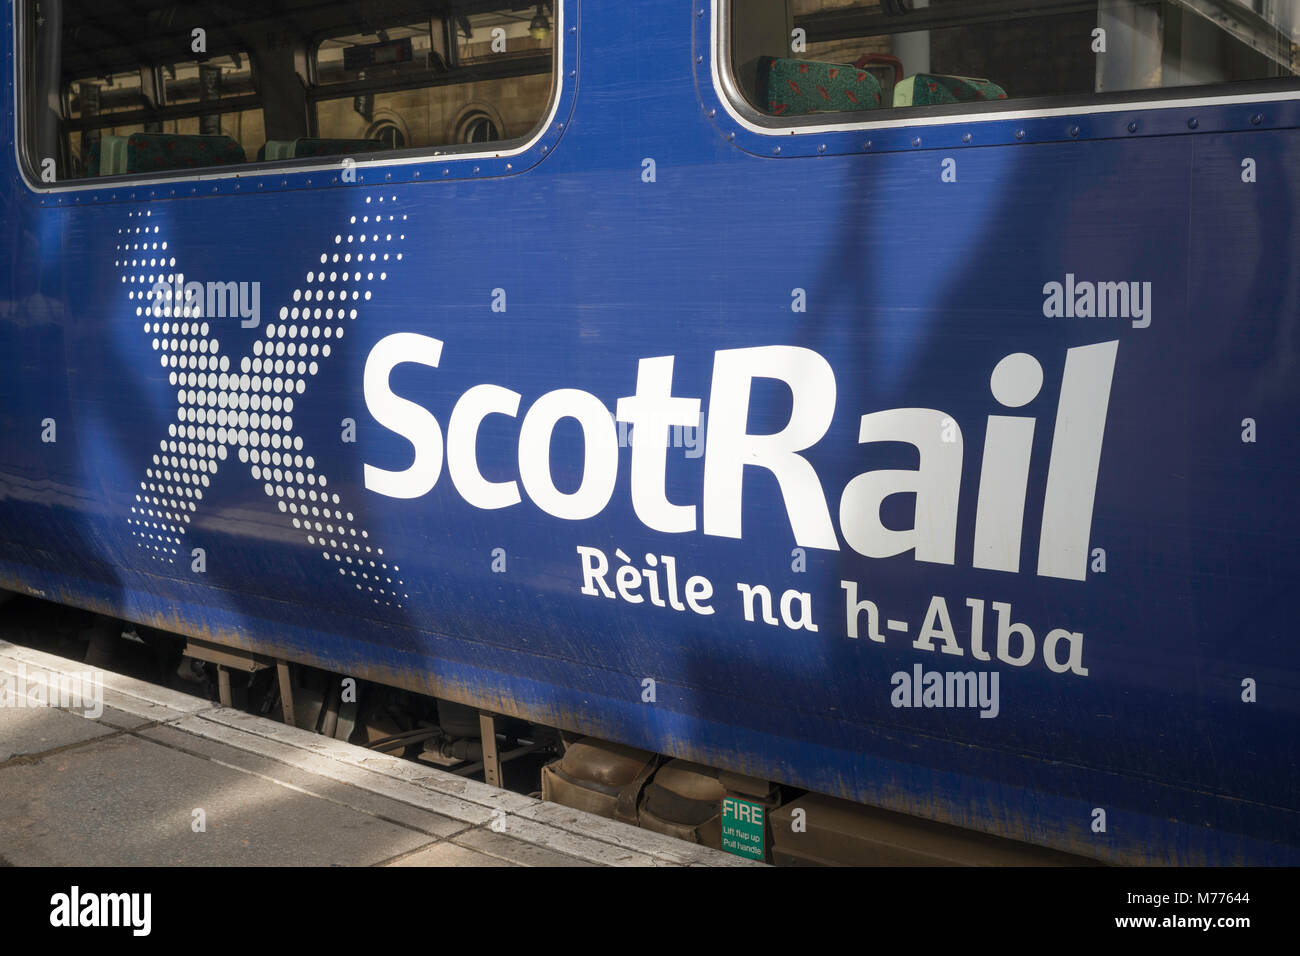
point(152, 152)
point(793, 87)
point(927, 89)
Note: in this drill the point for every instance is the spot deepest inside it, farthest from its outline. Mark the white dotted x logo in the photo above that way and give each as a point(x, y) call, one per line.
point(251, 409)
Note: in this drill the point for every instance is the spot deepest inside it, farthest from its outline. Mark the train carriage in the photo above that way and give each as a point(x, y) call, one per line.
point(894, 401)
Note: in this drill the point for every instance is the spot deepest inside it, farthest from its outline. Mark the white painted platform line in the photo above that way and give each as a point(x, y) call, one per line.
point(470, 823)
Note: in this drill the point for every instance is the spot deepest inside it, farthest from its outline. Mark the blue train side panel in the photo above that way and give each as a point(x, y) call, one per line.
point(1037, 422)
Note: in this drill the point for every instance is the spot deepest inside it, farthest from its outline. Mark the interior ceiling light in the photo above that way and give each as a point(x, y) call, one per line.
point(540, 27)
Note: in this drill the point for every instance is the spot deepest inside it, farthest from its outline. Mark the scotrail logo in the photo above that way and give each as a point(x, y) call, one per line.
point(732, 450)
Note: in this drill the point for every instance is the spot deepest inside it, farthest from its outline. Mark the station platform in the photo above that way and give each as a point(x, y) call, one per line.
point(162, 778)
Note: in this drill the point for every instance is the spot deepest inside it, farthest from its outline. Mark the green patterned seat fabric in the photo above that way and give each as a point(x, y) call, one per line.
point(150, 152)
point(927, 89)
point(107, 156)
point(794, 87)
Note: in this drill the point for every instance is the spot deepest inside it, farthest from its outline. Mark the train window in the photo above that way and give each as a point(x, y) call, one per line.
point(136, 90)
point(177, 100)
point(792, 58)
point(428, 72)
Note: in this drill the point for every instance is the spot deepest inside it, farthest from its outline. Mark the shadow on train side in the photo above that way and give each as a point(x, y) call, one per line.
point(244, 533)
point(906, 286)
point(55, 443)
point(927, 289)
point(103, 458)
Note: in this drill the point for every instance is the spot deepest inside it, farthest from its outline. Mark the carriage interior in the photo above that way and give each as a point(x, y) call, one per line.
point(799, 57)
point(128, 87)
point(134, 87)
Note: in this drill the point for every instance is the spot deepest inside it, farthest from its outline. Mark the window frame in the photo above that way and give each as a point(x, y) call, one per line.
point(727, 90)
point(406, 161)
